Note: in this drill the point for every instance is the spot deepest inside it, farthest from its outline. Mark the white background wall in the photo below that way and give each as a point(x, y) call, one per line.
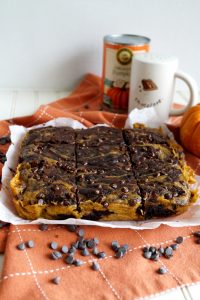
point(52, 43)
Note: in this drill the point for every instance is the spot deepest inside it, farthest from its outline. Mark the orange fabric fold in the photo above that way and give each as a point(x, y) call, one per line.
point(31, 271)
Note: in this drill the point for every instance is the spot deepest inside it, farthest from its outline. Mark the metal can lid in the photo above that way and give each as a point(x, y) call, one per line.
point(126, 39)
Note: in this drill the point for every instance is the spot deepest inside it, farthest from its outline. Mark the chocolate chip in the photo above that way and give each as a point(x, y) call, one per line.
point(56, 280)
point(43, 227)
point(115, 245)
point(21, 246)
point(56, 255)
point(81, 232)
point(145, 249)
point(179, 240)
point(197, 233)
point(53, 245)
point(72, 250)
point(85, 252)
point(64, 249)
point(161, 250)
point(95, 251)
point(30, 244)
point(69, 259)
point(78, 262)
point(125, 189)
point(81, 245)
point(162, 270)
point(91, 244)
point(155, 256)
point(152, 249)
point(147, 254)
point(40, 201)
point(95, 266)
point(174, 246)
point(101, 254)
point(119, 254)
point(125, 246)
point(3, 141)
point(168, 252)
point(114, 185)
point(72, 228)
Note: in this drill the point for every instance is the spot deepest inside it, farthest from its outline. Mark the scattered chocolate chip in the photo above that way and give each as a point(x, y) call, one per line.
point(56, 280)
point(21, 246)
point(30, 244)
point(145, 249)
point(86, 106)
point(85, 252)
point(162, 270)
point(72, 250)
point(119, 254)
point(95, 251)
point(115, 245)
point(197, 234)
point(64, 249)
point(152, 249)
point(3, 141)
point(81, 232)
point(78, 262)
point(69, 259)
point(125, 246)
point(56, 255)
point(174, 246)
point(168, 252)
point(91, 244)
point(72, 228)
point(179, 240)
point(95, 266)
point(101, 254)
point(155, 256)
point(147, 254)
point(161, 250)
point(53, 245)
point(43, 227)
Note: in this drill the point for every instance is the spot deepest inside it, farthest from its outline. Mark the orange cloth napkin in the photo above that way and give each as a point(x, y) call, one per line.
point(29, 273)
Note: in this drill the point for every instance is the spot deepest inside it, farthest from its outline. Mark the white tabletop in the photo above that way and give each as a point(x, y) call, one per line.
point(15, 103)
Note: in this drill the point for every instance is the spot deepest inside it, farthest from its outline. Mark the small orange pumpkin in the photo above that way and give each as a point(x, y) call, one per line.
point(190, 130)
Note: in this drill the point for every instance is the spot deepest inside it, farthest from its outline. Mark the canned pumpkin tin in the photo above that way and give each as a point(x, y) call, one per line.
point(117, 57)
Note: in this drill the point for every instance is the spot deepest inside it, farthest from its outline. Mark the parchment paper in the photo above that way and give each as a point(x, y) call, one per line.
point(7, 210)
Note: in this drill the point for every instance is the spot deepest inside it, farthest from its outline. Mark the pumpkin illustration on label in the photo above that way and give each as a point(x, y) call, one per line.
point(149, 85)
point(119, 96)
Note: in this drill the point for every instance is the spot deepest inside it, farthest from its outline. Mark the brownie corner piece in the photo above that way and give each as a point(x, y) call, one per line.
point(49, 134)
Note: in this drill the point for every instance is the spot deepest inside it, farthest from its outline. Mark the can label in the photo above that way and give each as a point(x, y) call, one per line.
point(116, 75)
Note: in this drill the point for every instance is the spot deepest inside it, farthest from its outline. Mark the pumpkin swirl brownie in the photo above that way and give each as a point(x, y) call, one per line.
point(101, 173)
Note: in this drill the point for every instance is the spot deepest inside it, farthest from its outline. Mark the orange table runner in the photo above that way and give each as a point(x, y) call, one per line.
point(29, 273)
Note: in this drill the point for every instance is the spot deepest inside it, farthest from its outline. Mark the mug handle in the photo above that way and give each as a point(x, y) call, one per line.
point(192, 85)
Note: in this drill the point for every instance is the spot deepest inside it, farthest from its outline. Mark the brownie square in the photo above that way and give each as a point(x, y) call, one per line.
point(99, 135)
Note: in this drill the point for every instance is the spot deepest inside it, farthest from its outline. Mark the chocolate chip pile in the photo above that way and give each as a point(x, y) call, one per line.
point(85, 247)
point(154, 253)
point(88, 247)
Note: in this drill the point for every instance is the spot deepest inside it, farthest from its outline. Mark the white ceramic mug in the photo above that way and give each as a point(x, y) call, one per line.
point(152, 84)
